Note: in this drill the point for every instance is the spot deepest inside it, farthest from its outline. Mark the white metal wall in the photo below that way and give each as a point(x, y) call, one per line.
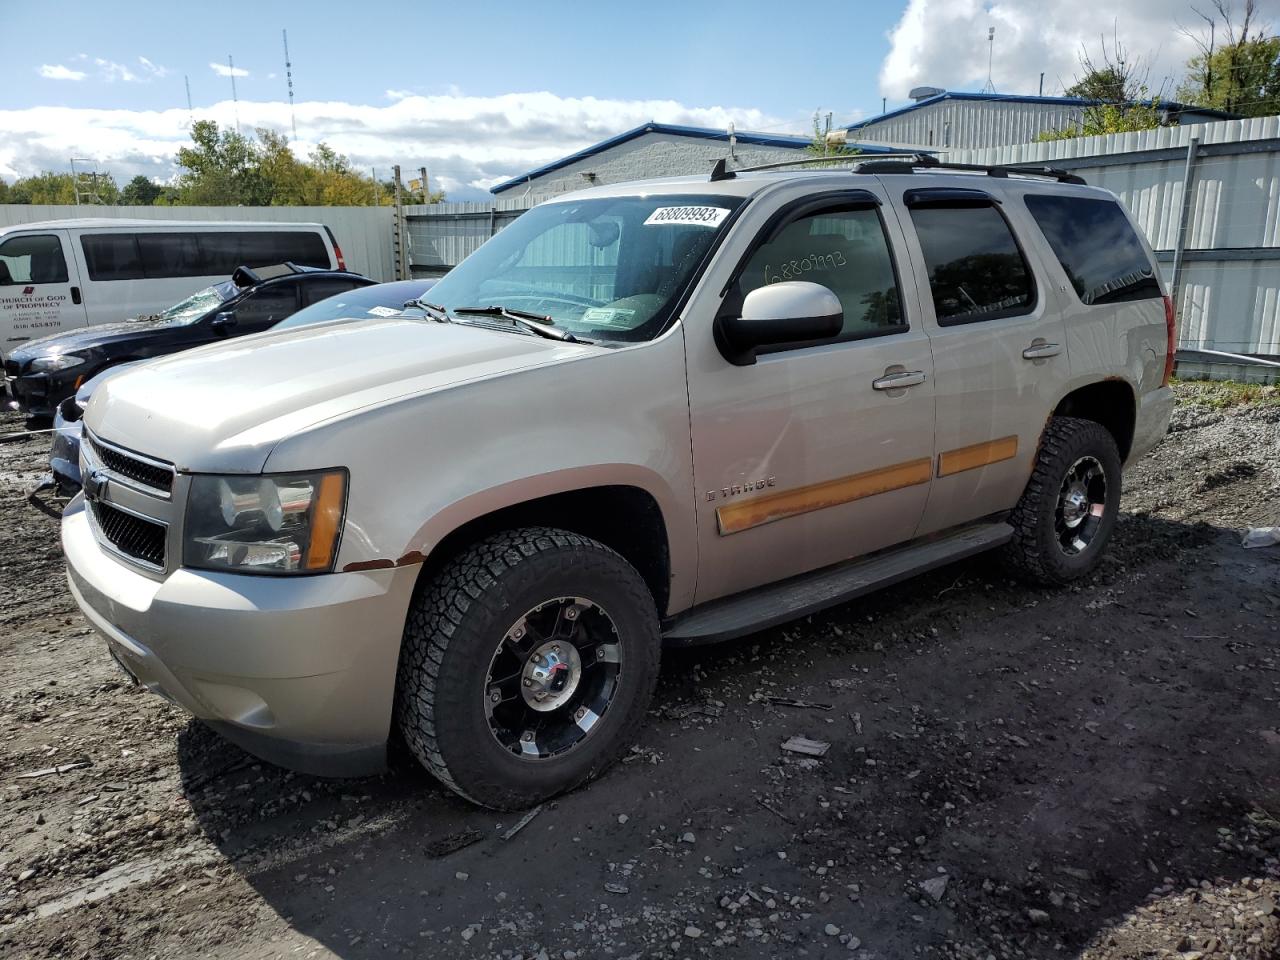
point(1229, 296)
point(962, 124)
point(364, 233)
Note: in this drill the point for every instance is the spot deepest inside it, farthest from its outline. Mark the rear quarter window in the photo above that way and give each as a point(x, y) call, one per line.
point(1100, 252)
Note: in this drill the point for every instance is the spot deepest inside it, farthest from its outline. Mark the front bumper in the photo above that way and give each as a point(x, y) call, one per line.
point(298, 671)
point(64, 456)
point(38, 394)
point(1155, 409)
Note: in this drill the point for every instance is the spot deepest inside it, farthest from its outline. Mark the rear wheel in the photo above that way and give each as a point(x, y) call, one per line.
point(527, 665)
point(1068, 510)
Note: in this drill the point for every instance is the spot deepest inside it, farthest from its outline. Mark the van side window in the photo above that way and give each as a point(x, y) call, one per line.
point(844, 250)
point(1097, 247)
point(112, 256)
point(35, 258)
point(976, 271)
point(222, 252)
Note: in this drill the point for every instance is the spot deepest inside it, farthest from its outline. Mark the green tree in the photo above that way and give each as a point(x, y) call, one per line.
point(60, 188)
point(140, 192)
point(1238, 66)
point(1116, 86)
point(822, 146)
point(220, 168)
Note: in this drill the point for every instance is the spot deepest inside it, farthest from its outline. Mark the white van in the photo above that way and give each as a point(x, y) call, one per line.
point(60, 274)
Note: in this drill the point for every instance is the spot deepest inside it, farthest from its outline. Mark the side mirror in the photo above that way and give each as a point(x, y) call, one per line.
point(789, 312)
point(224, 322)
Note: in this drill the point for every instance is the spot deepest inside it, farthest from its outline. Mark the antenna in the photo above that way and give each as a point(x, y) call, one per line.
point(231, 64)
point(288, 73)
point(991, 44)
point(191, 113)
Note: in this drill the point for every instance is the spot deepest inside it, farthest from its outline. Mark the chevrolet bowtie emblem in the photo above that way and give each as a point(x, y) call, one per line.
point(95, 485)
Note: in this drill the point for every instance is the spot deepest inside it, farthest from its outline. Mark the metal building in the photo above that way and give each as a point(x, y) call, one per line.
point(656, 150)
point(944, 119)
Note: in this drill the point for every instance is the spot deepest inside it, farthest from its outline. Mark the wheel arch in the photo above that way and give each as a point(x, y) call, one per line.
point(1110, 402)
point(624, 516)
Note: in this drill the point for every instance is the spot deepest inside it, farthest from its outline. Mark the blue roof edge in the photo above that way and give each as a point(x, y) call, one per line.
point(1029, 98)
point(702, 133)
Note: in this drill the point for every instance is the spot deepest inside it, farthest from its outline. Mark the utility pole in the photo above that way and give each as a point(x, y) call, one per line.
point(397, 216)
point(426, 193)
point(235, 100)
point(1042, 83)
point(288, 74)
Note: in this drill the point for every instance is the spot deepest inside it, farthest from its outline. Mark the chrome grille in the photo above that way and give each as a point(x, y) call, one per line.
point(143, 540)
point(149, 473)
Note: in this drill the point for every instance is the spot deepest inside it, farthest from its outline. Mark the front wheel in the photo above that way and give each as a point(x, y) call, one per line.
point(527, 666)
point(1068, 510)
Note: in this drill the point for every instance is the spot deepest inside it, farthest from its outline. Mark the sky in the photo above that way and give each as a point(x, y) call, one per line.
point(485, 90)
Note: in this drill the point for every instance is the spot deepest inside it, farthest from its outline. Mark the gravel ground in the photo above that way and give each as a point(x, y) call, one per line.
point(1013, 772)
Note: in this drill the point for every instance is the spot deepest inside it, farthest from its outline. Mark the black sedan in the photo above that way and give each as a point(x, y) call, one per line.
point(42, 373)
point(380, 300)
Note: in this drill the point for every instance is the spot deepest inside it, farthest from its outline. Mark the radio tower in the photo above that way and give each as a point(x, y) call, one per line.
point(288, 74)
point(191, 113)
point(235, 101)
point(991, 45)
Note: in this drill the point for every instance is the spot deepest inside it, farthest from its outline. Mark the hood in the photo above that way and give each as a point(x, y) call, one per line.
point(222, 408)
point(83, 338)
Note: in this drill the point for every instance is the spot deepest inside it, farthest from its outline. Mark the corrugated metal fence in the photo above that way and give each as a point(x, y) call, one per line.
point(364, 233)
point(442, 235)
point(1208, 197)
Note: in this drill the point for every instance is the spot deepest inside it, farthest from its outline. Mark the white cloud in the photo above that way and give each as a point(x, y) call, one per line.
point(226, 70)
point(944, 43)
point(59, 72)
point(467, 143)
point(112, 71)
point(155, 70)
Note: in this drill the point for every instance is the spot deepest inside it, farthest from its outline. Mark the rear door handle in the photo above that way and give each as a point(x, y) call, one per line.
point(1041, 351)
point(896, 381)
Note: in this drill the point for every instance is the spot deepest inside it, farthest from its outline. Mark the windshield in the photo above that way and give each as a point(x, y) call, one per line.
point(380, 300)
point(610, 269)
point(197, 305)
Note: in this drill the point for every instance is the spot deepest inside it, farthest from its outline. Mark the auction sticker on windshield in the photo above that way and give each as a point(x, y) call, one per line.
point(688, 216)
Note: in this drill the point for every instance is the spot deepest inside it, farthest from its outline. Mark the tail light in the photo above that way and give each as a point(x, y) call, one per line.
point(1171, 326)
point(342, 264)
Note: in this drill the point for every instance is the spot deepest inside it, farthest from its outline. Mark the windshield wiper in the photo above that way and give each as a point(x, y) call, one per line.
point(539, 324)
point(433, 310)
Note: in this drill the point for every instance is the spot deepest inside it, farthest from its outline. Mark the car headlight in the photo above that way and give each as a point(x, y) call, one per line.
point(282, 524)
point(55, 362)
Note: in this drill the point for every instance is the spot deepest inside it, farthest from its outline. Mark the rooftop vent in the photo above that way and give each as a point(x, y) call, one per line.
point(924, 93)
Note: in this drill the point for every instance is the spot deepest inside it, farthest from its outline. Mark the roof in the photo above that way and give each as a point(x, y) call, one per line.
point(94, 223)
point(700, 133)
point(1019, 98)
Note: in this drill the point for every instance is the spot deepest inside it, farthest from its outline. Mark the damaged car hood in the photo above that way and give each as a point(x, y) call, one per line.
point(222, 408)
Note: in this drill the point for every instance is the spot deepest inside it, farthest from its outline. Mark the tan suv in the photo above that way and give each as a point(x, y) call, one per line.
point(678, 410)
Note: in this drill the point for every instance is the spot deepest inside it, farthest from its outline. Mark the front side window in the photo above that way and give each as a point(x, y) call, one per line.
point(1097, 247)
point(844, 250)
point(611, 268)
point(36, 258)
point(976, 271)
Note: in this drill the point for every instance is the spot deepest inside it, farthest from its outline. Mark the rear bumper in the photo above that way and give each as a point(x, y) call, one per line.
point(298, 671)
point(1155, 408)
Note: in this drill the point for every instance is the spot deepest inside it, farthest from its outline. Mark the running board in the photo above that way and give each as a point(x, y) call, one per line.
point(809, 593)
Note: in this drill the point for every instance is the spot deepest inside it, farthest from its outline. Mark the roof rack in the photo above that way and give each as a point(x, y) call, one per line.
point(901, 163)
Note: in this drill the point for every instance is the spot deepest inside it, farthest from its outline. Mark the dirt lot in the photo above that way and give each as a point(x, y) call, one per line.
point(1013, 772)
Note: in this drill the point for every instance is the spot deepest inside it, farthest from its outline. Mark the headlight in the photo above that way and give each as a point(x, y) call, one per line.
point(58, 361)
point(287, 523)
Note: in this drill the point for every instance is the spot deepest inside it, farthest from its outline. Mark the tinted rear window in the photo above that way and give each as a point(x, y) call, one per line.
point(976, 271)
point(153, 256)
point(1093, 240)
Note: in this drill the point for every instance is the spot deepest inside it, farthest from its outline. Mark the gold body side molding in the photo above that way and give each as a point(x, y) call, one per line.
point(819, 496)
point(978, 455)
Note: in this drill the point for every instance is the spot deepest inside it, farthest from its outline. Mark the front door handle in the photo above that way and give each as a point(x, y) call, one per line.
point(1041, 351)
point(896, 381)
point(75, 295)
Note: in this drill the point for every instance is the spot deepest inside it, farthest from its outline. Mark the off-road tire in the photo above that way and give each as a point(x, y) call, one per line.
point(1034, 553)
point(454, 624)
